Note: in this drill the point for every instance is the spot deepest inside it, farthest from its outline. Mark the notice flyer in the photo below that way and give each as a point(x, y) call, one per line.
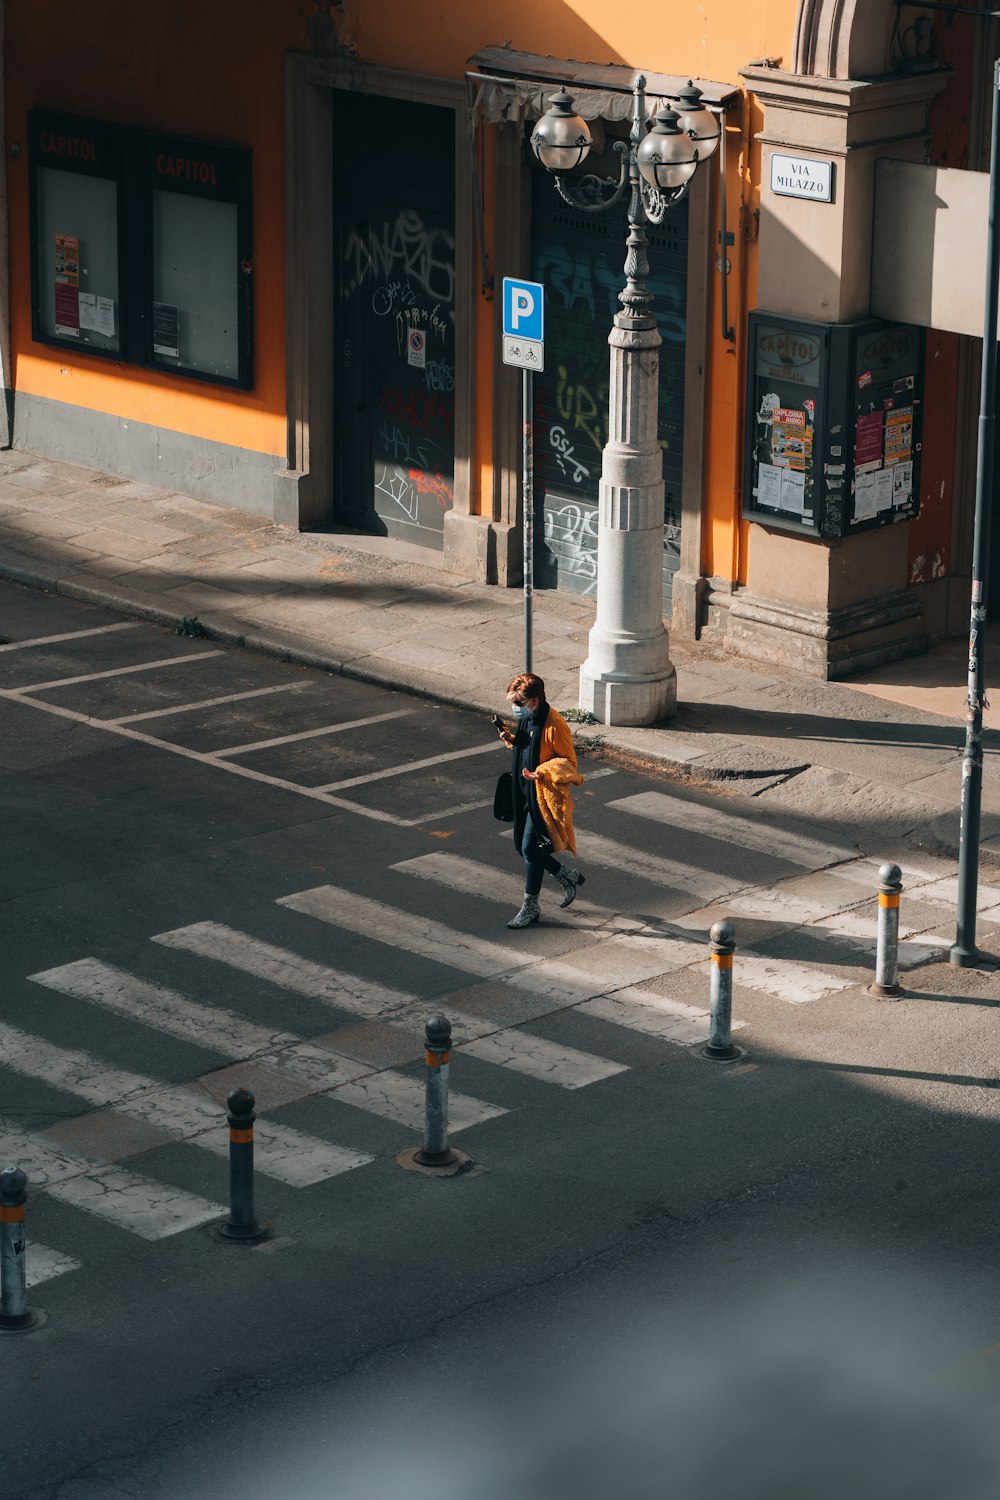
point(902, 483)
point(864, 497)
point(166, 330)
point(769, 484)
point(67, 320)
point(67, 260)
point(868, 443)
point(883, 489)
point(898, 435)
point(791, 441)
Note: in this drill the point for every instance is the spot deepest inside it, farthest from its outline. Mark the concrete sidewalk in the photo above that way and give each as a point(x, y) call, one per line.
point(382, 612)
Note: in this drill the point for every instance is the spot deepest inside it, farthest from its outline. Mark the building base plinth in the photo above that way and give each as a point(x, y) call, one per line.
point(826, 643)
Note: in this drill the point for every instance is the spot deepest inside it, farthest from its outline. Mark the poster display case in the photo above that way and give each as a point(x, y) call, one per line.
point(200, 302)
point(141, 248)
point(76, 235)
point(833, 424)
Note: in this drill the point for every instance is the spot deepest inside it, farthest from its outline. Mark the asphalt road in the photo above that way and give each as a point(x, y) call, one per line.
point(222, 869)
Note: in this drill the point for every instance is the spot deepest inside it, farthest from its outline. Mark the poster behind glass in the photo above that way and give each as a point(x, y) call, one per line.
point(787, 392)
point(76, 269)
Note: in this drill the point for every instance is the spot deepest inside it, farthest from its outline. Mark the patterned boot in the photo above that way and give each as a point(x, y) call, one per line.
point(569, 880)
point(528, 915)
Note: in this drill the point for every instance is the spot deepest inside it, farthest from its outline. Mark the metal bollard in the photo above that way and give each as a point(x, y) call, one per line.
point(887, 950)
point(241, 1224)
point(15, 1314)
point(437, 1042)
point(720, 1044)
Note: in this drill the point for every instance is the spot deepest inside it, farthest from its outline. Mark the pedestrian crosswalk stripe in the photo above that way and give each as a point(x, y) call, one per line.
point(210, 1026)
point(395, 1096)
point(564, 982)
point(859, 930)
point(488, 883)
point(785, 980)
point(43, 1264)
point(945, 893)
point(181, 1113)
point(529, 1055)
point(654, 1015)
point(152, 1210)
point(321, 1069)
point(733, 828)
point(707, 885)
point(284, 968)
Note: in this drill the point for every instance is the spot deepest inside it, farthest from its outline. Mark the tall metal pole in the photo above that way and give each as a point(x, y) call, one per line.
point(528, 506)
point(964, 953)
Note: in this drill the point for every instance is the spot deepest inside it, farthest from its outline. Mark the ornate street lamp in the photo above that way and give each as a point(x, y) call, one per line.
point(628, 677)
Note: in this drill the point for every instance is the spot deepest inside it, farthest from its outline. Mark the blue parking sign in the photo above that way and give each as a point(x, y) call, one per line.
point(523, 309)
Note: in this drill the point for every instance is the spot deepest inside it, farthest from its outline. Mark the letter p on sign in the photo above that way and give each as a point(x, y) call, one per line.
point(523, 303)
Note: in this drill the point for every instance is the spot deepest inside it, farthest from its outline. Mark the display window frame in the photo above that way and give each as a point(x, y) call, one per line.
point(86, 148)
point(129, 158)
point(220, 173)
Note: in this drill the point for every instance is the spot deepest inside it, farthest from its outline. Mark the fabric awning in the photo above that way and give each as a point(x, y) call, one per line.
point(516, 86)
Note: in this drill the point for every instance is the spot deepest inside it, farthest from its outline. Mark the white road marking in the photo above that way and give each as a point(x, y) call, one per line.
point(945, 893)
point(42, 1264)
point(395, 1096)
point(69, 635)
point(735, 829)
point(464, 807)
point(285, 969)
point(563, 982)
point(233, 768)
point(653, 1015)
point(312, 734)
point(707, 885)
point(526, 1054)
point(541, 1059)
point(414, 765)
point(144, 666)
point(181, 1113)
point(152, 1210)
point(189, 708)
point(860, 930)
point(487, 883)
point(785, 980)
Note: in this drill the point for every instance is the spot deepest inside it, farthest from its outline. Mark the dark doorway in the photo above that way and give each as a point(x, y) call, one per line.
point(394, 331)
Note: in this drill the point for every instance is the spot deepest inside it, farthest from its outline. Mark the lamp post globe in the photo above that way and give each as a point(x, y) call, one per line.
point(561, 140)
point(666, 156)
point(697, 122)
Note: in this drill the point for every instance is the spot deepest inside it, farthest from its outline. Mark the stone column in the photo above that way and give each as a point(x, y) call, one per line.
point(628, 677)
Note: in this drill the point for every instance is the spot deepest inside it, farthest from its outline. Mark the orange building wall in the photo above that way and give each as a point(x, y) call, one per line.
point(209, 70)
point(216, 71)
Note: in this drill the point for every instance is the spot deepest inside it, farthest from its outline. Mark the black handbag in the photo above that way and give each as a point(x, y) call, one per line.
point(503, 799)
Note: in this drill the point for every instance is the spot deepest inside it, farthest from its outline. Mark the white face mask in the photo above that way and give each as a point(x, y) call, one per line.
point(521, 710)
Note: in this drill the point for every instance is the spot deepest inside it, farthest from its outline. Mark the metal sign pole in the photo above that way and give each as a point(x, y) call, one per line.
point(528, 496)
point(964, 953)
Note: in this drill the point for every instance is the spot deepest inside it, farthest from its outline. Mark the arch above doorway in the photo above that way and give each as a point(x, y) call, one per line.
point(843, 38)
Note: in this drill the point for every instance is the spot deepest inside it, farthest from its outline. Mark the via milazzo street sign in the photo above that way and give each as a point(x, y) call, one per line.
point(523, 324)
point(801, 177)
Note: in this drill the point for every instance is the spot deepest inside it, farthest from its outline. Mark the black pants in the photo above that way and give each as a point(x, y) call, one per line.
point(536, 860)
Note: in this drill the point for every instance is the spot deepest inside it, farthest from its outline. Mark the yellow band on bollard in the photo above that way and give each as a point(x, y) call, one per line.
point(437, 1059)
point(886, 898)
point(12, 1215)
point(724, 960)
point(241, 1137)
